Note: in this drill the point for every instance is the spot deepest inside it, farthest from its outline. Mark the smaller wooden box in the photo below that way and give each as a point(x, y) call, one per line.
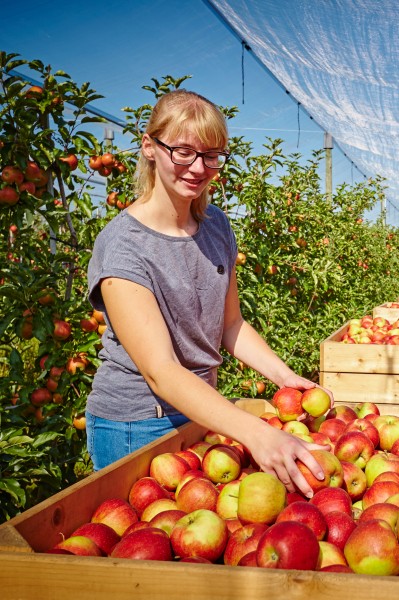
point(387, 311)
point(359, 372)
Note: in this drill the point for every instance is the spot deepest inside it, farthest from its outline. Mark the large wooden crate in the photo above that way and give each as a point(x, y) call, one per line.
point(28, 573)
point(387, 311)
point(360, 372)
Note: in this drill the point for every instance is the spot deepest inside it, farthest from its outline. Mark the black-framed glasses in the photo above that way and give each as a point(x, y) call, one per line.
point(180, 155)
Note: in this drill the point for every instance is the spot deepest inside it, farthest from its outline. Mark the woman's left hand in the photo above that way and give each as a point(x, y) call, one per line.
point(300, 383)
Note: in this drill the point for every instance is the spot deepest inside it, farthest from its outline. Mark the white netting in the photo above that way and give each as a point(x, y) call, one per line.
point(340, 60)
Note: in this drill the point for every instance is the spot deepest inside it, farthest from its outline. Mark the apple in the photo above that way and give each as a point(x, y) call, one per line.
point(8, 196)
point(71, 160)
point(333, 428)
point(395, 448)
point(332, 468)
point(343, 412)
point(388, 432)
point(212, 437)
point(88, 325)
point(115, 513)
point(275, 422)
point(366, 427)
point(62, 330)
point(227, 501)
point(158, 506)
point(195, 559)
point(149, 543)
point(166, 520)
point(382, 510)
point(372, 549)
point(76, 363)
point(288, 545)
point(11, 174)
point(248, 560)
point(393, 500)
point(306, 513)
point(192, 459)
point(243, 541)
point(199, 448)
point(32, 172)
point(108, 159)
point(387, 476)
point(315, 402)
point(200, 533)
point(79, 545)
point(336, 569)
point(40, 396)
point(355, 482)
point(168, 469)
point(332, 499)
point(313, 423)
point(287, 402)
point(295, 428)
point(339, 527)
point(144, 491)
point(355, 447)
point(232, 524)
point(187, 477)
point(261, 497)
point(95, 162)
point(221, 464)
point(330, 554)
point(197, 493)
point(379, 491)
point(135, 527)
point(366, 408)
point(104, 536)
point(379, 463)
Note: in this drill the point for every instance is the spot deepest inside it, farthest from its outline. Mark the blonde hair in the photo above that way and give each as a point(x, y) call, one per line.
point(175, 113)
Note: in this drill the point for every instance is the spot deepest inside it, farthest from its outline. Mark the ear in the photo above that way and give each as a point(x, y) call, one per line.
point(147, 147)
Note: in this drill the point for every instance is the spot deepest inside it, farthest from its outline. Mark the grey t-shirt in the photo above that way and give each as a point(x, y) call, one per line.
point(189, 277)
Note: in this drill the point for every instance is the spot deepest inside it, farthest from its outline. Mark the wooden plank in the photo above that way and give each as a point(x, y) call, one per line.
point(364, 387)
point(87, 578)
point(12, 541)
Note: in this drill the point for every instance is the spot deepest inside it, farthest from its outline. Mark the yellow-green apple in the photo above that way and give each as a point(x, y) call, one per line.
point(331, 466)
point(333, 428)
point(261, 497)
point(339, 527)
point(187, 477)
point(380, 322)
point(221, 464)
point(379, 491)
point(197, 493)
point(192, 459)
point(166, 520)
point(379, 463)
point(332, 499)
point(212, 437)
point(354, 446)
point(287, 402)
point(381, 510)
point(288, 545)
point(315, 402)
point(372, 549)
point(144, 491)
point(101, 534)
point(366, 408)
point(355, 482)
point(243, 541)
point(366, 427)
point(62, 330)
point(149, 543)
point(306, 513)
point(357, 509)
point(388, 431)
point(227, 501)
point(343, 412)
point(80, 545)
point(200, 533)
point(296, 428)
point(393, 500)
point(168, 469)
point(115, 513)
point(158, 506)
point(330, 554)
point(199, 448)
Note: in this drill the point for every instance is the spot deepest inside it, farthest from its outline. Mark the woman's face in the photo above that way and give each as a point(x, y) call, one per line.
point(182, 181)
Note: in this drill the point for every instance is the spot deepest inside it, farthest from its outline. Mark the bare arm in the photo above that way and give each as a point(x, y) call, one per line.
point(140, 327)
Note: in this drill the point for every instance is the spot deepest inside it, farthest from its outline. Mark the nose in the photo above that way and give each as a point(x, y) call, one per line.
point(198, 166)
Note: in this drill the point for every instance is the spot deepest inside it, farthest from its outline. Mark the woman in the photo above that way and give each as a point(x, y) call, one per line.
point(163, 272)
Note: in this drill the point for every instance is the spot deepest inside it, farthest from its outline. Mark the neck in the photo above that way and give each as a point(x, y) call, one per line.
point(171, 216)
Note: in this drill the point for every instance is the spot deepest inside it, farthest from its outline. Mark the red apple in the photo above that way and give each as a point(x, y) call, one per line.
point(192, 459)
point(387, 476)
point(355, 447)
point(366, 408)
point(261, 497)
point(71, 160)
point(104, 536)
point(243, 541)
point(191, 474)
point(287, 402)
point(8, 196)
point(315, 401)
point(144, 491)
point(248, 560)
point(366, 427)
point(372, 549)
point(80, 545)
point(332, 468)
point(200, 533)
point(332, 499)
point(168, 469)
point(221, 464)
point(336, 569)
point(41, 396)
point(233, 524)
point(227, 501)
point(379, 491)
point(355, 482)
point(62, 330)
point(339, 527)
point(388, 431)
point(306, 513)
point(115, 513)
point(343, 412)
point(333, 428)
point(11, 174)
point(166, 520)
point(150, 543)
point(197, 493)
point(382, 510)
point(88, 325)
point(195, 559)
point(288, 545)
point(212, 437)
point(158, 506)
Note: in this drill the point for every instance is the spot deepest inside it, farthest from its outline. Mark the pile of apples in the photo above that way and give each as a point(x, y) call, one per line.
point(369, 330)
point(210, 503)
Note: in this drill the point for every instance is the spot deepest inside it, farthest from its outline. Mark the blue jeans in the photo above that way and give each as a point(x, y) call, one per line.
point(108, 441)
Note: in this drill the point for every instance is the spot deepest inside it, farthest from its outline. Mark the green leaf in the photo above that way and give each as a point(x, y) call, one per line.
point(13, 488)
point(45, 438)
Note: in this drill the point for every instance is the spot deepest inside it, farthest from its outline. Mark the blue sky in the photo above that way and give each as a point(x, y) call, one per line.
point(119, 46)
